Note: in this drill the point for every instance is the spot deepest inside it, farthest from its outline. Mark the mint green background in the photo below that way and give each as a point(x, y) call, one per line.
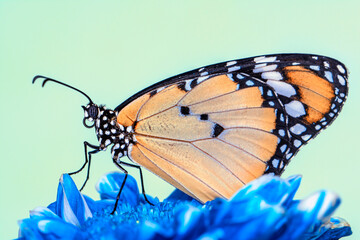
point(112, 49)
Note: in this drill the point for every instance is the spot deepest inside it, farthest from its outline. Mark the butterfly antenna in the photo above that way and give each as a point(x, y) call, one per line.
point(47, 79)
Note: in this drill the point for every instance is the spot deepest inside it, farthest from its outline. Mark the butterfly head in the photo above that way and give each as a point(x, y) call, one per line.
point(91, 113)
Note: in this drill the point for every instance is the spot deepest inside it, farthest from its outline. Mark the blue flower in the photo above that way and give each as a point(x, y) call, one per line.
point(263, 209)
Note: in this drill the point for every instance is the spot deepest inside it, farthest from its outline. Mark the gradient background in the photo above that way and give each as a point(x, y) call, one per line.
point(112, 49)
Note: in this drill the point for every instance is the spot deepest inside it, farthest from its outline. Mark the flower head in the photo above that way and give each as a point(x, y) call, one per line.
point(263, 209)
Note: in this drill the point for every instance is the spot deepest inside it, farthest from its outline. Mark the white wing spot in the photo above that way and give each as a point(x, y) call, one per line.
point(314, 67)
point(200, 79)
point(160, 89)
point(261, 90)
point(329, 76)
point(275, 163)
point(341, 80)
point(282, 132)
point(282, 88)
point(341, 69)
point(239, 76)
point(249, 83)
point(306, 137)
point(230, 63)
point(281, 117)
point(297, 143)
point(187, 84)
point(260, 65)
point(326, 64)
point(234, 68)
point(298, 129)
point(272, 75)
point(264, 59)
point(258, 68)
point(295, 108)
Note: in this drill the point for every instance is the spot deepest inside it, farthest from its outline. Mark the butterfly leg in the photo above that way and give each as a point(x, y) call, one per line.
point(122, 185)
point(87, 160)
point(141, 179)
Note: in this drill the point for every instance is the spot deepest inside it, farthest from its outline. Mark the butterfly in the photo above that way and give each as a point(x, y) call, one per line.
point(211, 130)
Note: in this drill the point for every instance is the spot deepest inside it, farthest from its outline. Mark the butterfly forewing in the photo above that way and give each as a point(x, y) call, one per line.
point(209, 138)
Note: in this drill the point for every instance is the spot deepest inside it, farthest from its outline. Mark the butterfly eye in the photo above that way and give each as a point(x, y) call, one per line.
point(93, 111)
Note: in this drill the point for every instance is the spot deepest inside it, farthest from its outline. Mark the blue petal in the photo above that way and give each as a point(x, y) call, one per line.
point(29, 229)
point(189, 222)
point(213, 234)
point(100, 205)
point(43, 212)
point(58, 229)
point(70, 204)
point(109, 186)
point(303, 216)
point(264, 187)
point(251, 220)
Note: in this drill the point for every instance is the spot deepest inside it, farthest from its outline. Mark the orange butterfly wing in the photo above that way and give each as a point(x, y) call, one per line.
point(208, 141)
point(212, 130)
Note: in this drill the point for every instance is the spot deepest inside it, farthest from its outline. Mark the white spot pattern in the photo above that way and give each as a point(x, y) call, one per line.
point(295, 109)
point(282, 88)
point(298, 129)
point(272, 75)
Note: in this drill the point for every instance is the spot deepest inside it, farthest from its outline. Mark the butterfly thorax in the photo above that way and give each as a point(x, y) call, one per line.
point(109, 131)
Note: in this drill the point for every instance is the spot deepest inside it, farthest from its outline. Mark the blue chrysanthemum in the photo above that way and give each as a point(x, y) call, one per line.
point(263, 209)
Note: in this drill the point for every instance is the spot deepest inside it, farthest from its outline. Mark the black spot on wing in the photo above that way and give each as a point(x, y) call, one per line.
point(193, 83)
point(181, 85)
point(184, 110)
point(204, 117)
point(152, 93)
point(217, 130)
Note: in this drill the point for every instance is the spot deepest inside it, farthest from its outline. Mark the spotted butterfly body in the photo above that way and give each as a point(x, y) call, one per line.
point(212, 130)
